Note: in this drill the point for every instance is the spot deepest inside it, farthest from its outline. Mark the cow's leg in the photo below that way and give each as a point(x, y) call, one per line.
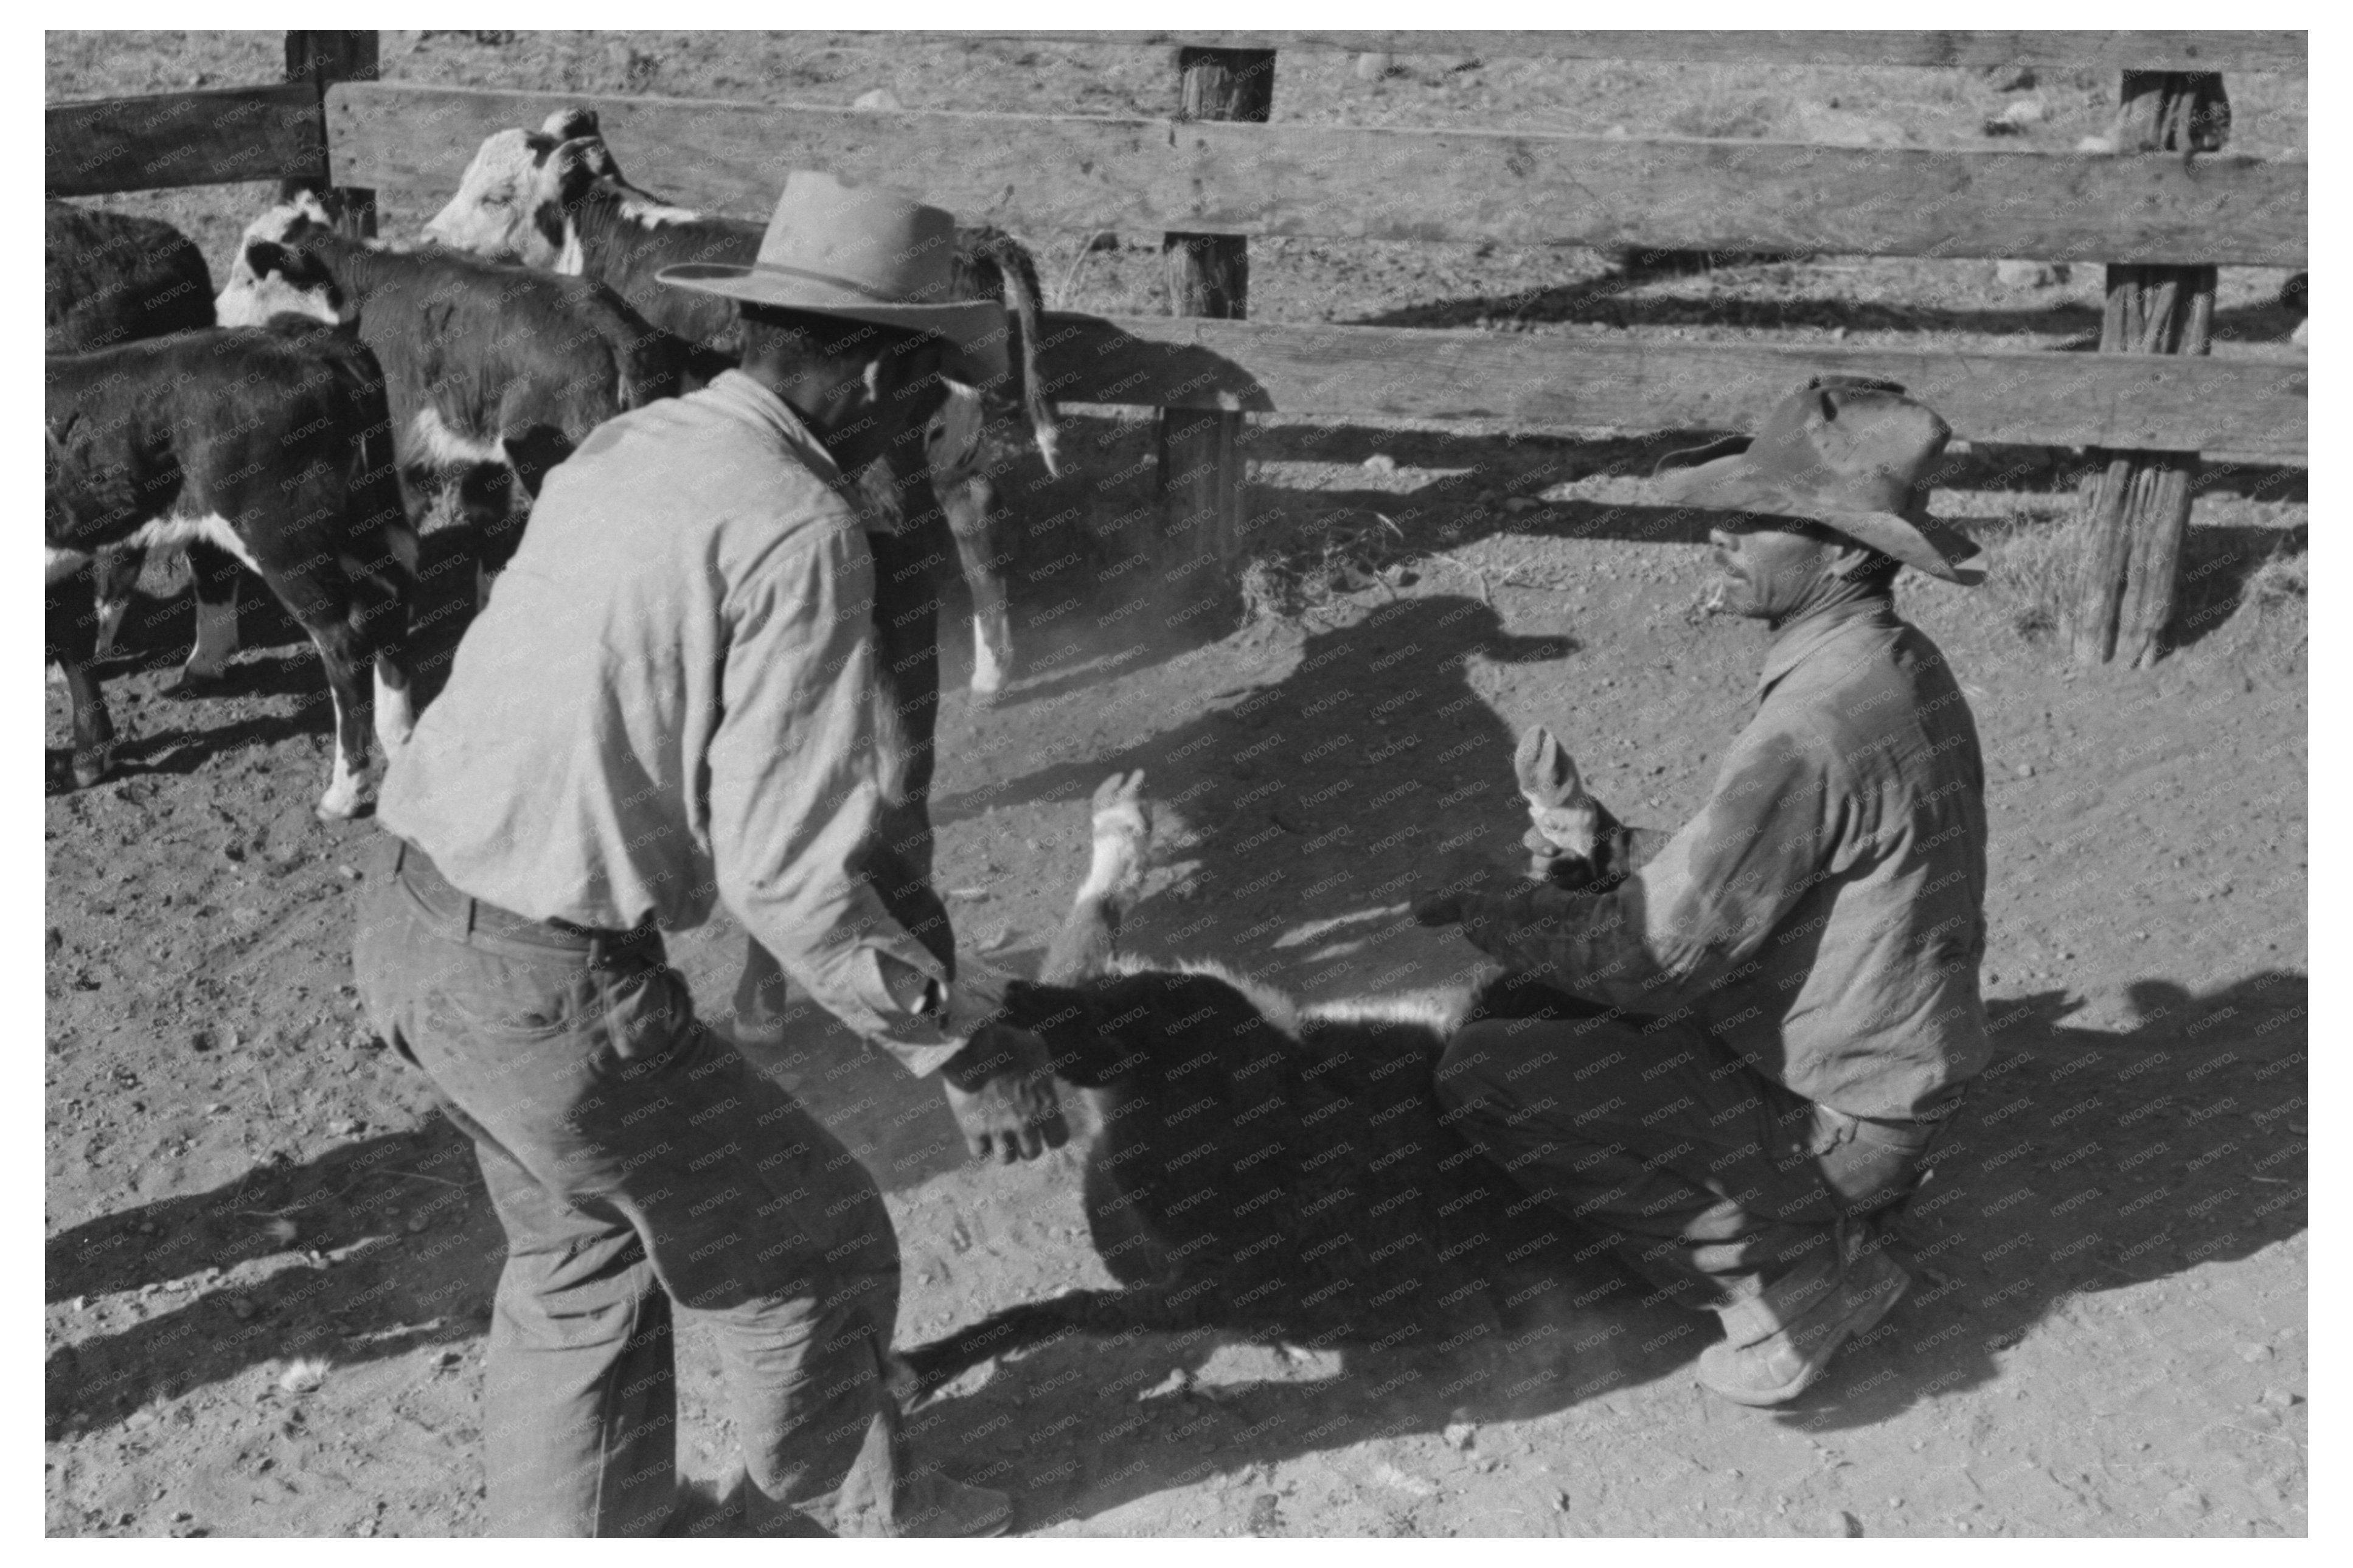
point(1089, 937)
point(117, 569)
point(339, 650)
point(968, 504)
point(215, 573)
point(93, 727)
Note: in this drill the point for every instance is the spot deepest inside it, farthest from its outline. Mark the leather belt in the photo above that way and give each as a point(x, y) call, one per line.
point(479, 916)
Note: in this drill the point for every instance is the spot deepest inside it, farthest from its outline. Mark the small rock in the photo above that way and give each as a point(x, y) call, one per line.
point(343, 1126)
point(302, 1374)
point(974, 894)
point(1560, 1501)
point(991, 940)
point(181, 1516)
point(444, 1359)
point(1520, 505)
point(1458, 1434)
point(1372, 67)
point(417, 1223)
point(2026, 111)
point(81, 1304)
point(1850, 1526)
point(1379, 463)
point(2009, 79)
point(2255, 1352)
point(1179, 1382)
point(243, 1308)
point(2187, 1498)
point(1615, 133)
point(2281, 1398)
point(878, 97)
point(2098, 144)
point(348, 873)
point(140, 1419)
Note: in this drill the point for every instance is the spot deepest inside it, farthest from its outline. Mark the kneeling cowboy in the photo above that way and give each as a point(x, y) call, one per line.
point(1794, 974)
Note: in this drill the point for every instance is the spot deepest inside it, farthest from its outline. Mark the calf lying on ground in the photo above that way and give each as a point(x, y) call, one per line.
point(556, 198)
point(1263, 1167)
point(271, 445)
point(494, 374)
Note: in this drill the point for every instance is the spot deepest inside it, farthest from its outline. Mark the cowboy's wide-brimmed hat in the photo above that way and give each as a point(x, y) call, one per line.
point(867, 254)
point(1849, 453)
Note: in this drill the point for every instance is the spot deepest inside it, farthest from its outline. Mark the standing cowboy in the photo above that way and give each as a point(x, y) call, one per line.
point(1792, 976)
point(669, 697)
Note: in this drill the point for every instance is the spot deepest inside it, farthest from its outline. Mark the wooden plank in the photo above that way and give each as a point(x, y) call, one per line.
point(2155, 49)
point(319, 58)
point(167, 139)
point(1527, 381)
point(1039, 172)
point(1199, 465)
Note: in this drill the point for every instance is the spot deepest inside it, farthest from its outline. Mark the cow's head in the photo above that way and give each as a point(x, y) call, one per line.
point(275, 269)
point(517, 194)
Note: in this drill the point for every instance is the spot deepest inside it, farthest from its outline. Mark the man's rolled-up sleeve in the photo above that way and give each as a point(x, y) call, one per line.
point(795, 794)
point(1699, 907)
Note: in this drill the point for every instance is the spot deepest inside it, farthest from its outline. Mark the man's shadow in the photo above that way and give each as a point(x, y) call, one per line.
point(369, 1250)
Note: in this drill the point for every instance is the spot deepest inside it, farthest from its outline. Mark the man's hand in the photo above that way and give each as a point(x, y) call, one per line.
point(1001, 1089)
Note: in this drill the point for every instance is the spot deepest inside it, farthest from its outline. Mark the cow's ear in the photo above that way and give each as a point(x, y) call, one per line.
point(577, 163)
point(539, 144)
point(566, 124)
point(263, 256)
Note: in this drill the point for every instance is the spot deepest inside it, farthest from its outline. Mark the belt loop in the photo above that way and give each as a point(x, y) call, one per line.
point(472, 905)
point(399, 854)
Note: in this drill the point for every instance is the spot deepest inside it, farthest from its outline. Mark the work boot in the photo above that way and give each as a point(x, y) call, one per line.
point(1778, 1343)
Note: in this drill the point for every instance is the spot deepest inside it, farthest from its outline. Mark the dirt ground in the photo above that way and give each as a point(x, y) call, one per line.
point(269, 1264)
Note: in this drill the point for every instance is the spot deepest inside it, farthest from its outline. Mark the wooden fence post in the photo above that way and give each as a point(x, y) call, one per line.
point(1200, 457)
point(322, 58)
point(2137, 513)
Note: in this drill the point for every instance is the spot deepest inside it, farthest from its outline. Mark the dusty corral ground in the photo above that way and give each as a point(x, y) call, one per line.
point(268, 1266)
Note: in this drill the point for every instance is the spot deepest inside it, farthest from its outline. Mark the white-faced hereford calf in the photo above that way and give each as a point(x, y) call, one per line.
point(556, 198)
point(1262, 1167)
point(494, 374)
point(271, 445)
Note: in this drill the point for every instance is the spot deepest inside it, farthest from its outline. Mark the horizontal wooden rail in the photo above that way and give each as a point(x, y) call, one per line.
point(2146, 50)
point(1042, 173)
point(171, 138)
point(2021, 397)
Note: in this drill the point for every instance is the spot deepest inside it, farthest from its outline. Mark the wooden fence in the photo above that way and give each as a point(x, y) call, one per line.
point(2161, 212)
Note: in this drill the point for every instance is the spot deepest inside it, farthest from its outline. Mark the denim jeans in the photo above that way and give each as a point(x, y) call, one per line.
point(1706, 1176)
point(636, 1160)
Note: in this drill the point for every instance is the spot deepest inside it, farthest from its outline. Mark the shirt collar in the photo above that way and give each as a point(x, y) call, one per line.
point(734, 393)
point(1802, 638)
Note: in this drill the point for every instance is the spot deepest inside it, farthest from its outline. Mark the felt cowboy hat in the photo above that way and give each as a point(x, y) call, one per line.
point(867, 254)
point(1851, 454)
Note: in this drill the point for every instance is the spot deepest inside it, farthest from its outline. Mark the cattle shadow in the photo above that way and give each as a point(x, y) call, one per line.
point(392, 1244)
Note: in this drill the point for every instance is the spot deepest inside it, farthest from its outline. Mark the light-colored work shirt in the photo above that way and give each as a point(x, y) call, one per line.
point(1823, 914)
point(668, 698)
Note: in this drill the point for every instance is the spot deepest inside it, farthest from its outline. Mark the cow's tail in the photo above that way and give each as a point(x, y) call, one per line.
point(1017, 271)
